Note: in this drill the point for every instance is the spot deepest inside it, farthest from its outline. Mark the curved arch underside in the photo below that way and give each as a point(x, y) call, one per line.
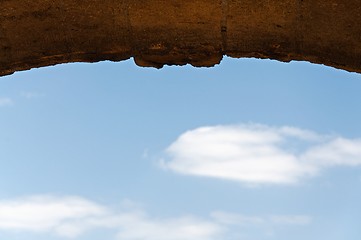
point(36, 33)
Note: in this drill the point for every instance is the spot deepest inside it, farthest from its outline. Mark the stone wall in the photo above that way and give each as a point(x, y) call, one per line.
point(36, 33)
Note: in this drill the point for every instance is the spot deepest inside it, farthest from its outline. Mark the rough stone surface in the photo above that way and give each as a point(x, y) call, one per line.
point(35, 33)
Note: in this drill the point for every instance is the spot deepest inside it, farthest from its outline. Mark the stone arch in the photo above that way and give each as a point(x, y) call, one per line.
point(36, 33)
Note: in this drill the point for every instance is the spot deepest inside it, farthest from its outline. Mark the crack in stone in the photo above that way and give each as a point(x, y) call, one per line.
point(224, 23)
point(300, 26)
point(129, 26)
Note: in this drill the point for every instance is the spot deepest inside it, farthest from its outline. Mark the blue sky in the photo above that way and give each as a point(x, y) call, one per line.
point(249, 149)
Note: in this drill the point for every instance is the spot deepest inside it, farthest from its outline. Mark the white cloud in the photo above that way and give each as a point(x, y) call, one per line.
point(46, 213)
point(72, 216)
point(138, 227)
point(259, 154)
point(271, 220)
point(30, 95)
point(236, 219)
point(241, 226)
point(335, 152)
point(4, 101)
point(290, 220)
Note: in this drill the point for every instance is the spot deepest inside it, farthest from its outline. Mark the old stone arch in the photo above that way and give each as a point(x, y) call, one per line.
point(36, 33)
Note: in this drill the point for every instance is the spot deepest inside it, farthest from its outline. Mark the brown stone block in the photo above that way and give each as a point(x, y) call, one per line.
point(42, 32)
point(261, 28)
point(156, 32)
point(330, 33)
point(175, 32)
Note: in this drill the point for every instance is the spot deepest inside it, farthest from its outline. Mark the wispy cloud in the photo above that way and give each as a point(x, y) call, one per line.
point(30, 95)
point(241, 226)
point(139, 226)
point(47, 213)
point(4, 101)
point(270, 220)
point(72, 216)
point(259, 154)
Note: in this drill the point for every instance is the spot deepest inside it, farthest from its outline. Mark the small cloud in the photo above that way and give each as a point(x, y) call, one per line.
point(259, 154)
point(30, 95)
point(271, 220)
point(337, 151)
point(145, 154)
point(290, 219)
point(236, 219)
point(259, 226)
point(48, 213)
point(4, 102)
point(136, 227)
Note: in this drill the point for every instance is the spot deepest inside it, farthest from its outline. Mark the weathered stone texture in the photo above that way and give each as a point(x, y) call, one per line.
point(35, 33)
